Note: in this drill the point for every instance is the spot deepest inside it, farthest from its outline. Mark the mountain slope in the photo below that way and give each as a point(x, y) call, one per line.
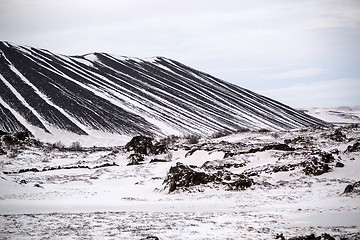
point(127, 96)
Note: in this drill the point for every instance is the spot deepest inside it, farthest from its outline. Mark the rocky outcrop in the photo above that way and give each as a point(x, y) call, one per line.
point(183, 177)
point(353, 148)
point(144, 145)
point(338, 136)
point(319, 163)
point(324, 236)
point(352, 188)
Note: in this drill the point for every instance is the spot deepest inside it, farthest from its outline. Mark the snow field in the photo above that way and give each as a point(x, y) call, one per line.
point(94, 201)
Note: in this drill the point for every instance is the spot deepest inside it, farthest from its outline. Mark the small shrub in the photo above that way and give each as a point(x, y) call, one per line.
point(75, 146)
point(275, 135)
point(58, 145)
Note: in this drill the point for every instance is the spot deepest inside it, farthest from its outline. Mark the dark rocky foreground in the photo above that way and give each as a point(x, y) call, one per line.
point(299, 184)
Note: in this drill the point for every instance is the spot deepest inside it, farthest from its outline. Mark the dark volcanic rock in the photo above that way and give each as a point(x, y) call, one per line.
point(315, 167)
point(319, 163)
point(106, 165)
point(3, 133)
point(352, 188)
point(276, 146)
point(182, 176)
point(348, 189)
point(155, 160)
point(353, 148)
point(140, 144)
point(338, 136)
point(150, 238)
point(323, 236)
point(17, 138)
point(339, 164)
point(327, 157)
point(2, 152)
point(241, 183)
point(159, 148)
point(144, 145)
point(279, 146)
point(283, 168)
point(300, 140)
point(22, 136)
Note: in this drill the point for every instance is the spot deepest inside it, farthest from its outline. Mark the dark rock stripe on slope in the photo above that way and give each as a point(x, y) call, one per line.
point(128, 96)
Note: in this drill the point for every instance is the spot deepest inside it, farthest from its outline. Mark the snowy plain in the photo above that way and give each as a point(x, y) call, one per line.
point(95, 194)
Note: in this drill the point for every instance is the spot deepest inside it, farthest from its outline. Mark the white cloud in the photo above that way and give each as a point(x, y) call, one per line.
point(249, 43)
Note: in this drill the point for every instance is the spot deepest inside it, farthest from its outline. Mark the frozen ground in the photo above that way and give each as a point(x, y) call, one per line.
point(94, 194)
point(339, 115)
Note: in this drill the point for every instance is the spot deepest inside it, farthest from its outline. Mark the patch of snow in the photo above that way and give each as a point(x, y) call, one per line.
point(336, 115)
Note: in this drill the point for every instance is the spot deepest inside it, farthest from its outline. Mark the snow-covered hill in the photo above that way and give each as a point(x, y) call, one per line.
point(52, 95)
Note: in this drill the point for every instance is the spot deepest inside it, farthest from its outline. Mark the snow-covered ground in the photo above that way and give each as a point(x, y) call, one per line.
point(94, 194)
point(339, 115)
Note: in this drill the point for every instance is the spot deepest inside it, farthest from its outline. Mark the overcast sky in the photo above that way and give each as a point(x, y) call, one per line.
point(302, 53)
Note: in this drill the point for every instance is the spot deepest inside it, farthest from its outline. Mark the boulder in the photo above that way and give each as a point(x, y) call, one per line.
point(339, 164)
point(353, 148)
point(140, 144)
point(156, 160)
point(22, 136)
point(144, 145)
point(150, 238)
point(348, 189)
point(315, 167)
point(319, 163)
point(338, 136)
point(352, 188)
point(183, 177)
point(241, 183)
